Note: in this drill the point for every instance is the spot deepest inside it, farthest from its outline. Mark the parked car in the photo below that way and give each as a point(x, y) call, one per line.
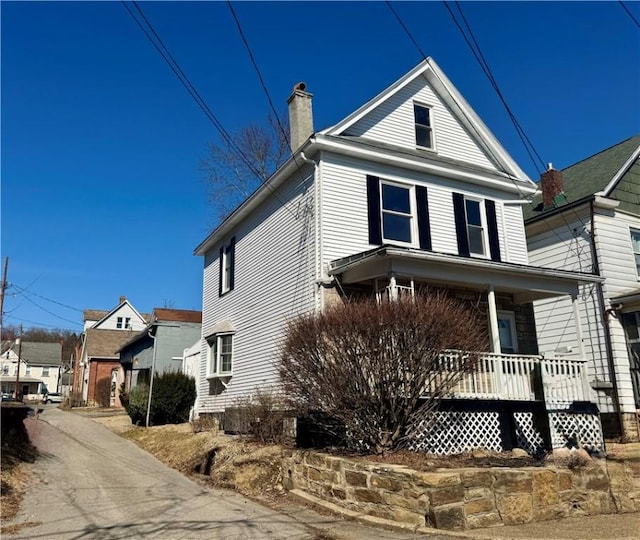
point(53, 397)
point(7, 396)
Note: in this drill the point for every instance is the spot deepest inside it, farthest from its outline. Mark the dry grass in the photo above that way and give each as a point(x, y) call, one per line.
point(226, 461)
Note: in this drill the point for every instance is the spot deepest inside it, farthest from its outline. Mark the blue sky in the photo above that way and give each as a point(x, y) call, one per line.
point(102, 194)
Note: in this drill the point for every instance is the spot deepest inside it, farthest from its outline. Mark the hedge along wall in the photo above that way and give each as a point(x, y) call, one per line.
point(466, 498)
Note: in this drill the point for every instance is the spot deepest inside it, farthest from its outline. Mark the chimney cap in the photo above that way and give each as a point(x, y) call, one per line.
point(302, 86)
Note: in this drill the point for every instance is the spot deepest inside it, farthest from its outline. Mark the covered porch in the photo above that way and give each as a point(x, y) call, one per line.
point(512, 371)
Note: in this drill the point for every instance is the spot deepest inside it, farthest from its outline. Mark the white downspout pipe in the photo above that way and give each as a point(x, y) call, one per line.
point(153, 369)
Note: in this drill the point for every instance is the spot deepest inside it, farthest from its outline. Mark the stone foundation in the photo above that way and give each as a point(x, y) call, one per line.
point(465, 498)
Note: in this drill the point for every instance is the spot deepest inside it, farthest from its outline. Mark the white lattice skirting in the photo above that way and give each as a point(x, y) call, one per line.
point(584, 429)
point(451, 432)
point(456, 432)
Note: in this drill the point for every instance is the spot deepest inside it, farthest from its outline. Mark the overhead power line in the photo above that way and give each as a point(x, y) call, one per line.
point(255, 66)
point(476, 50)
point(629, 13)
point(154, 38)
point(509, 175)
point(24, 291)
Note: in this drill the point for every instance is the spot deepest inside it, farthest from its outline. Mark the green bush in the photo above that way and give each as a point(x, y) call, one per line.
point(173, 396)
point(137, 405)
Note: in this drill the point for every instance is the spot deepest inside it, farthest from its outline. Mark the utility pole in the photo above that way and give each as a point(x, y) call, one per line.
point(19, 341)
point(3, 287)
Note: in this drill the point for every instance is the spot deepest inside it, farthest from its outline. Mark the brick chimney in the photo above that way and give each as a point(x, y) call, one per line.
point(300, 116)
point(552, 187)
point(122, 299)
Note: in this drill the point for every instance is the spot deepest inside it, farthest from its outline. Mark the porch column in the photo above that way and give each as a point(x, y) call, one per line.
point(493, 321)
point(393, 290)
point(578, 323)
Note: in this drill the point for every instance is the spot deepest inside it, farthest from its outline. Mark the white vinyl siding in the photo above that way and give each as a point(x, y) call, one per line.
point(393, 122)
point(345, 228)
point(567, 245)
point(274, 278)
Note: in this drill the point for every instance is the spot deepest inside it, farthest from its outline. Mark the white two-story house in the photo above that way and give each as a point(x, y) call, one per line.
point(588, 220)
point(410, 190)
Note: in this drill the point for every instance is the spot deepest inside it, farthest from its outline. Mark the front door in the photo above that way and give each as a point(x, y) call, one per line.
point(507, 332)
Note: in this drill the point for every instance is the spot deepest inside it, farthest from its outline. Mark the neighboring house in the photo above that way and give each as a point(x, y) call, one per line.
point(588, 220)
point(160, 346)
point(40, 368)
point(411, 189)
point(95, 355)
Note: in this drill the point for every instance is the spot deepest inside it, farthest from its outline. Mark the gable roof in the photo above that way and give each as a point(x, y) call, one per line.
point(461, 109)
point(177, 315)
point(604, 173)
point(40, 353)
point(104, 343)
point(144, 317)
point(93, 314)
point(336, 138)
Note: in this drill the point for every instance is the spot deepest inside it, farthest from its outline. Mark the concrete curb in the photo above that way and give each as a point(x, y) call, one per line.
point(380, 522)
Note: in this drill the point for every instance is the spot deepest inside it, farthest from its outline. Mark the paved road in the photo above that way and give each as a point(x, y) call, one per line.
point(91, 484)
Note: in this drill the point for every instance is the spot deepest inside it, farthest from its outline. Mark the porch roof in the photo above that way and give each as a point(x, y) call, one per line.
point(526, 283)
point(627, 302)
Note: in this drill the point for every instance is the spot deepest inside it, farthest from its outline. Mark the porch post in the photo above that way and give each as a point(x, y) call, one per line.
point(578, 323)
point(493, 321)
point(393, 290)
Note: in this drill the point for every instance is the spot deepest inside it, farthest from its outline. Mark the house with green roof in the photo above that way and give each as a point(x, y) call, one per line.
point(587, 219)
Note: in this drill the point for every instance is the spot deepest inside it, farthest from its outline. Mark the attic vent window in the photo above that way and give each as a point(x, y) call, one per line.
point(424, 126)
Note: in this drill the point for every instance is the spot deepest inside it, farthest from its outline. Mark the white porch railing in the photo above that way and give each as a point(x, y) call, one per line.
point(511, 377)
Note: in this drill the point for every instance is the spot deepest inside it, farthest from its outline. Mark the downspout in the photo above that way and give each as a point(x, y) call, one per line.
point(318, 292)
point(604, 313)
point(153, 369)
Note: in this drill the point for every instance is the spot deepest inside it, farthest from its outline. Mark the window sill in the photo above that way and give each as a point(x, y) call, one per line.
point(219, 375)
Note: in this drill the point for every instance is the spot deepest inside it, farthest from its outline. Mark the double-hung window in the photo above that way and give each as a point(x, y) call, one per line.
point(123, 323)
point(475, 227)
point(220, 361)
point(397, 212)
point(423, 126)
point(227, 266)
point(45, 371)
point(635, 246)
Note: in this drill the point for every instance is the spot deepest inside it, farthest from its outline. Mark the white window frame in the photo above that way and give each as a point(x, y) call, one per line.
point(412, 215)
point(214, 355)
point(432, 131)
point(636, 254)
point(5, 370)
point(483, 221)
point(511, 317)
point(45, 371)
point(27, 370)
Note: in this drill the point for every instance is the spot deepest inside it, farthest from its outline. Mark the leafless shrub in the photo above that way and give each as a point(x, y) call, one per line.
point(75, 399)
point(368, 364)
point(205, 423)
point(263, 416)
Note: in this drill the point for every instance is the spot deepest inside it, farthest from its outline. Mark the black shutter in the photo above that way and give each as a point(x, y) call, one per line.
point(492, 229)
point(231, 252)
point(373, 206)
point(461, 224)
point(424, 228)
point(221, 263)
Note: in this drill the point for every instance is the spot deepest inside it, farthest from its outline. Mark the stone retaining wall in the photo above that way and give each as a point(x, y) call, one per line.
point(466, 498)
